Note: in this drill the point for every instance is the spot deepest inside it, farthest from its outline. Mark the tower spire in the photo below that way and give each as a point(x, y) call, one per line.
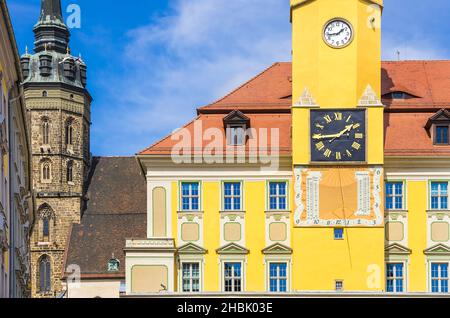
point(50, 29)
point(51, 11)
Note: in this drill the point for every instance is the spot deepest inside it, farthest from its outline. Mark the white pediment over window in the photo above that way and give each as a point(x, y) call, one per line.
point(191, 249)
point(277, 249)
point(233, 249)
point(439, 249)
point(397, 249)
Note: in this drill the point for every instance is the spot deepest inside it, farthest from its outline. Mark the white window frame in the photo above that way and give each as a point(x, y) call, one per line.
point(288, 275)
point(395, 278)
point(232, 196)
point(394, 196)
point(190, 196)
point(268, 195)
point(430, 197)
point(232, 259)
point(430, 278)
point(191, 262)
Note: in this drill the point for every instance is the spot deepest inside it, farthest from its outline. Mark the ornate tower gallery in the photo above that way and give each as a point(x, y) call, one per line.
point(58, 106)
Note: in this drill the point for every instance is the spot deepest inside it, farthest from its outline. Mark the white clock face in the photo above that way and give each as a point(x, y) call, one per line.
point(338, 33)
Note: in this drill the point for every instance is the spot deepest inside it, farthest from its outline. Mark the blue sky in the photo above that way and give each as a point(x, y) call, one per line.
point(153, 62)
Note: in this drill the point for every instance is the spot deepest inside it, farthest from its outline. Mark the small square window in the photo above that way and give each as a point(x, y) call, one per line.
point(338, 234)
point(339, 285)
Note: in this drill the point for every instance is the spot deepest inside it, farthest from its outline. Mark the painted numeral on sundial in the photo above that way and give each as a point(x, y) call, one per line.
point(328, 153)
point(328, 119)
point(359, 136)
point(349, 154)
point(337, 116)
point(338, 156)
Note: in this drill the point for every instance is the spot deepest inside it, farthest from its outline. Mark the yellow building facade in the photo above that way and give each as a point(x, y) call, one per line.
point(296, 182)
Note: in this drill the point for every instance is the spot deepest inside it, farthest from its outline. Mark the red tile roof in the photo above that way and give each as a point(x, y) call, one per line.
point(266, 99)
point(259, 122)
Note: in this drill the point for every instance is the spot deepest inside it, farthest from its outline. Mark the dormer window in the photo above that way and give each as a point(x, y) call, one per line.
point(398, 95)
point(113, 265)
point(236, 125)
point(45, 64)
point(438, 128)
point(442, 135)
point(236, 135)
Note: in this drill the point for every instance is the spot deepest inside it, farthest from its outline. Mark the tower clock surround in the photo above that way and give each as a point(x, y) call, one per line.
point(338, 136)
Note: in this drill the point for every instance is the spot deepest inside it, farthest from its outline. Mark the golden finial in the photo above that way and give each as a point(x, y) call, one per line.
point(45, 47)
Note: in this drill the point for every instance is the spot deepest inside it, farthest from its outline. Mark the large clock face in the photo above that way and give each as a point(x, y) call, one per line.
point(338, 33)
point(338, 135)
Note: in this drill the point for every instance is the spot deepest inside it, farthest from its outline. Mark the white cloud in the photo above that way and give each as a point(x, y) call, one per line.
point(197, 53)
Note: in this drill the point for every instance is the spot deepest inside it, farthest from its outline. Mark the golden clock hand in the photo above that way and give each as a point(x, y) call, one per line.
point(320, 136)
point(342, 133)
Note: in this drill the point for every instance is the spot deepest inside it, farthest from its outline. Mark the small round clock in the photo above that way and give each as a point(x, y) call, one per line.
point(338, 33)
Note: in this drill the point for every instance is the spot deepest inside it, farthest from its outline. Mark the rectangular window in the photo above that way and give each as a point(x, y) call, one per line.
point(278, 277)
point(439, 195)
point(236, 135)
point(278, 196)
point(233, 277)
point(439, 277)
point(394, 195)
point(338, 234)
point(232, 196)
point(191, 277)
point(442, 135)
point(190, 196)
point(395, 278)
point(339, 285)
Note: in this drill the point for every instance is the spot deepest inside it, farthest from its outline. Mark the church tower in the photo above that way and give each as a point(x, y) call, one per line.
point(58, 106)
point(338, 146)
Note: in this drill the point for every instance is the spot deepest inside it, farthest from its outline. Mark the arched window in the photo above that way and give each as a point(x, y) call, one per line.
point(45, 271)
point(44, 94)
point(45, 131)
point(45, 227)
point(46, 171)
point(70, 171)
point(46, 217)
point(69, 132)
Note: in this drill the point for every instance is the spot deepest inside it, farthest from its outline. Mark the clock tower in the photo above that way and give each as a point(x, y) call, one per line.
point(338, 149)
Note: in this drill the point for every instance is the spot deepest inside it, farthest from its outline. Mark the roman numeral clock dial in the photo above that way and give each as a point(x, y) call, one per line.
point(338, 136)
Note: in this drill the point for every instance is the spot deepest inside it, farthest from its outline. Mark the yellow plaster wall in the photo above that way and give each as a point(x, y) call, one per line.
point(417, 193)
point(319, 260)
point(336, 78)
point(254, 204)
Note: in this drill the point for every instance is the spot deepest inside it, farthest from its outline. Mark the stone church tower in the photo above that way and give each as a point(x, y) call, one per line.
point(58, 106)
